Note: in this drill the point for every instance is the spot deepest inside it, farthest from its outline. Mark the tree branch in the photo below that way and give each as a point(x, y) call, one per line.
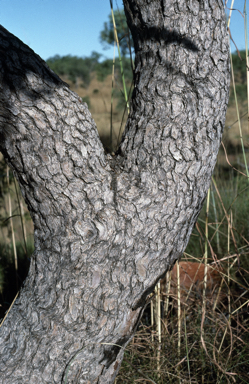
point(107, 228)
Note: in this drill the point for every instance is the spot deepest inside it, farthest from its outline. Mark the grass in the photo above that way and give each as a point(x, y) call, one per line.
point(204, 341)
point(214, 339)
point(233, 196)
point(140, 363)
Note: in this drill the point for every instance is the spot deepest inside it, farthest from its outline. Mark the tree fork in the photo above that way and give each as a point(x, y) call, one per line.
point(108, 227)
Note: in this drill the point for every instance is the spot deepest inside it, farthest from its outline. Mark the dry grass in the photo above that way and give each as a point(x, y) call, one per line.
point(5, 230)
point(231, 132)
point(208, 344)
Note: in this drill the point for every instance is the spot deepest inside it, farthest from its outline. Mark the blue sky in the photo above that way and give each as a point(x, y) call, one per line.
point(73, 27)
point(61, 27)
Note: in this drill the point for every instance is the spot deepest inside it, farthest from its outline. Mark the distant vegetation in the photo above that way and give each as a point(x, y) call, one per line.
point(79, 70)
point(124, 34)
point(76, 68)
point(239, 68)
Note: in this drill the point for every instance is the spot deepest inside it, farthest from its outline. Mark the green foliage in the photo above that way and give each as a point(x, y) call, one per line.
point(74, 67)
point(234, 196)
point(124, 35)
point(241, 92)
point(118, 92)
point(127, 68)
point(103, 69)
point(239, 67)
point(86, 99)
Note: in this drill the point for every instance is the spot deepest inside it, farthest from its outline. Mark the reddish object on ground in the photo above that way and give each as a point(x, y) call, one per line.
point(192, 278)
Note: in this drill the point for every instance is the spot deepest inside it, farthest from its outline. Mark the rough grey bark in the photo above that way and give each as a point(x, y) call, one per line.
point(108, 227)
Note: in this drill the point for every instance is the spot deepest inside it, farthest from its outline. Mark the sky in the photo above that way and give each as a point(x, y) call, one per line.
point(73, 27)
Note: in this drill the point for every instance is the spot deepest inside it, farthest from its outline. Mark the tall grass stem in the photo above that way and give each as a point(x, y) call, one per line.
point(120, 58)
point(178, 308)
point(238, 115)
point(12, 229)
point(24, 233)
point(247, 62)
point(113, 80)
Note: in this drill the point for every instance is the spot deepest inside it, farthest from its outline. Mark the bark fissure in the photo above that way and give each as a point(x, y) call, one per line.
point(108, 227)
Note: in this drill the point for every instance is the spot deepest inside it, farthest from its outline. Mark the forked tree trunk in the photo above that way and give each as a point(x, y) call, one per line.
point(108, 227)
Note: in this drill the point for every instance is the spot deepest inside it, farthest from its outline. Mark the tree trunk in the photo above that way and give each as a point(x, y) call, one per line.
point(108, 227)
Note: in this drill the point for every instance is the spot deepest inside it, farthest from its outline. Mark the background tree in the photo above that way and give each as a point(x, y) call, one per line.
point(74, 67)
point(108, 227)
point(239, 69)
point(107, 35)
